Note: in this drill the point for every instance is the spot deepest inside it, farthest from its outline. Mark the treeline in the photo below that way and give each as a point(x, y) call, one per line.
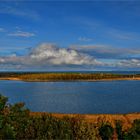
point(17, 123)
point(73, 76)
point(12, 74)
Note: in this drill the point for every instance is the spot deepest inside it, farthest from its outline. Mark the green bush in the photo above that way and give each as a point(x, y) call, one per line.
point(106, 131)
point(13, 119)
point(119, 131)
point(6, 130)
point(134, 132)
point(3, 101)
point(83, 130)
point(48, 127)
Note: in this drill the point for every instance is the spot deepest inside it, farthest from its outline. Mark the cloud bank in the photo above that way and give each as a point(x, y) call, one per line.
point(132, 63)
point(108, 52)
point(47, 56)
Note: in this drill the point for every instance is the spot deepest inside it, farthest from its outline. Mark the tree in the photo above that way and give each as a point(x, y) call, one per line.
point(6, 130)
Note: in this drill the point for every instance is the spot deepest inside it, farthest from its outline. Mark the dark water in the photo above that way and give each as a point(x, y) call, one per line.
point(75, 97)
point(113, 72)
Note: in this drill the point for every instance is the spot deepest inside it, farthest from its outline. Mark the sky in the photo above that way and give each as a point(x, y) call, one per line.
point(69, 35)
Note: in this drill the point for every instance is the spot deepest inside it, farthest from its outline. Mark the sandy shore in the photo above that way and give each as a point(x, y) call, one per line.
point(9, 78)
point(37, 80)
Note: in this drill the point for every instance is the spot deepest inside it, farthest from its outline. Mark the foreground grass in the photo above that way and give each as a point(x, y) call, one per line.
point(126, 119)
point(17, 122)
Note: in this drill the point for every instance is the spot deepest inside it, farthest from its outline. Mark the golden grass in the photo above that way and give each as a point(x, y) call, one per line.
point(126, 119)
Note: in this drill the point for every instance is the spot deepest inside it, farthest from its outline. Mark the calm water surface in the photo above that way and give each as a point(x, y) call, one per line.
point(75, 97)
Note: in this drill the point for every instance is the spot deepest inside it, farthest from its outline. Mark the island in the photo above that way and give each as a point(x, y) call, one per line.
point(63, 76)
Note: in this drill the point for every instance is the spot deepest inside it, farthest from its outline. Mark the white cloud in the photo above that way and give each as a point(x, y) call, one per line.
point(50, 55)
point(21, 34)
point(18, 32)
point(85, 39)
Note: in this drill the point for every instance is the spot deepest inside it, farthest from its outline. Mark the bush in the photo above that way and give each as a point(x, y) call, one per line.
point(134, 132)
point(13, 119)
point(6, 130)
point(119, 131)
point(106, 131)
point(49, 127)
point(3, 101)
point(82, 130)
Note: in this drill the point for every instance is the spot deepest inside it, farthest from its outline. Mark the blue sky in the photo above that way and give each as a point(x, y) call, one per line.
point(70, 35)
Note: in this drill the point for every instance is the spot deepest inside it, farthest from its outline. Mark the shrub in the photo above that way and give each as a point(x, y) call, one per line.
point(3, 101)
point(134, 132)
point(106, 131)
point(119, 131)
point(82, 130)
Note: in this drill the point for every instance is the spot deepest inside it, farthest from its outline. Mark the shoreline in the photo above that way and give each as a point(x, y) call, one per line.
point(9, 78)
point(94, 80)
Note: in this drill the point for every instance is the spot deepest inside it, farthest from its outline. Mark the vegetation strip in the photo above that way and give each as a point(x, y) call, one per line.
point(67, 76)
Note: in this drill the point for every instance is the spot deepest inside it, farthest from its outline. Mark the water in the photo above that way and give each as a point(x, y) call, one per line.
point(113, 72)
point(75, 97)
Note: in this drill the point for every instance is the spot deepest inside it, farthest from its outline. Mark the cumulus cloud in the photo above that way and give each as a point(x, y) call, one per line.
point(60, 56)
point(50, 55)
point(21, 34)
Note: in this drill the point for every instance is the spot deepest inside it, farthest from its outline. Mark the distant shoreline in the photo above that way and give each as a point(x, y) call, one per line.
point(37, 80)
point(67, 77)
